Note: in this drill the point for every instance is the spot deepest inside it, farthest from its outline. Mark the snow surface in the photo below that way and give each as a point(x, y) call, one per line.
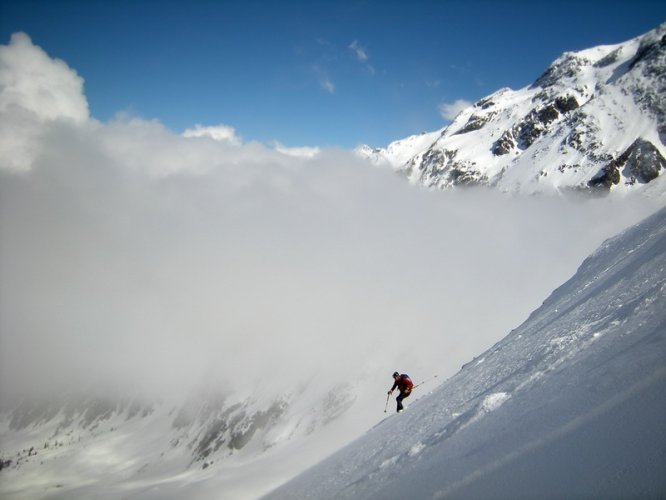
point(569, 405)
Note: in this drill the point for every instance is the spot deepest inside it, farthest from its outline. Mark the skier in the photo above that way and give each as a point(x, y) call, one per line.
point(404, 384)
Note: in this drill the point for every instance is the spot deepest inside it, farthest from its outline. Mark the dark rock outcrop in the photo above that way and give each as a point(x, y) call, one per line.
point(564, 104)
point(641, 162)
point(475, 122)
point(504, 144)
point(567, 66)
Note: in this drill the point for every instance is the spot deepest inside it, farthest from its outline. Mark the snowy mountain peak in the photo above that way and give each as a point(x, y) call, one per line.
point(594, 121)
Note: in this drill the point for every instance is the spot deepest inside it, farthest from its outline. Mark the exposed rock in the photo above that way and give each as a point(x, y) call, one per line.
point(465, 174)
point(504, 144)
point(336, 402)
point(564, 104)
point(534, 125)
point(547, 115)
point(243, 431)
point(641, 162)
point(233, 427)
point(650, 60)
point(435, 161)
point(566, 66)
point(648, 50)
point(576, 139)
point(30, 413)
point(485, 103)
point(608, 176)
point(475, 122)
point(530, 128)
point(211, 439)
point(611, 58)
point(98, 409)
point(440, 168)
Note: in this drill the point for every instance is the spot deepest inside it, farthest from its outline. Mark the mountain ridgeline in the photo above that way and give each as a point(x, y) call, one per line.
point(594, 121)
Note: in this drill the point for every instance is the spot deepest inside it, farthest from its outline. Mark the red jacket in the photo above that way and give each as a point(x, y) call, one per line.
point(404, 384)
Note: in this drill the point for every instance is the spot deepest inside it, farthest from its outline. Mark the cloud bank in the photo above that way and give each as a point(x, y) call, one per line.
point(35, 89)
point(216, 132)
point(133, 256)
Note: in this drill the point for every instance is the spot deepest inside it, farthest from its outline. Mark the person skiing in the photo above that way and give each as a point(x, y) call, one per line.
point(404, 385)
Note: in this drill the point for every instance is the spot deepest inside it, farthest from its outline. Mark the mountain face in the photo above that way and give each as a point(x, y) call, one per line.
point(594, 121)
point(100, 445)
point(568, 405)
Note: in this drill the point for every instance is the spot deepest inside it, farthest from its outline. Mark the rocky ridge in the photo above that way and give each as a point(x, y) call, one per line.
point(594, 121)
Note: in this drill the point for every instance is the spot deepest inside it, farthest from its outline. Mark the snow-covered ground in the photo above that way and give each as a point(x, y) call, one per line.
point(569, 405)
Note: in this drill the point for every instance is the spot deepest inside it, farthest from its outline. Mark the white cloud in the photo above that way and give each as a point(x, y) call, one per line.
point(327, 85)
point(361, 55)
point(360, 52)
point(449, 111)
point(297, 152)
point(217, 132)
point(324, 43)
point(324, 81)
point(32, 81)
point(34, 90)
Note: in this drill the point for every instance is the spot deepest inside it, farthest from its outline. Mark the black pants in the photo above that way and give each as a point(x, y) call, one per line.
point(400, 397)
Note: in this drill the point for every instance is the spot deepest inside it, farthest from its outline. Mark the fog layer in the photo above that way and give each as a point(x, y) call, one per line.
point(136, 257)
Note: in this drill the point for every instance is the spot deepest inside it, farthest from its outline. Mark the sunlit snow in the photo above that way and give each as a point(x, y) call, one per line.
point(569, 405)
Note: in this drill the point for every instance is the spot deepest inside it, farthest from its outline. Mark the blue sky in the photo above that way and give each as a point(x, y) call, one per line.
point(316, 73)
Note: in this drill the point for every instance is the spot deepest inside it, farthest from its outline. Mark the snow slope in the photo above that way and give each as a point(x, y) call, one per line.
point(106, 445)
point(594, 121)
point(569, 405)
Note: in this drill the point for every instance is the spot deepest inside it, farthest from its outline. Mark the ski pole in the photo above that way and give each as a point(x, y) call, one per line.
point(421, 383)
point(387, 399)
